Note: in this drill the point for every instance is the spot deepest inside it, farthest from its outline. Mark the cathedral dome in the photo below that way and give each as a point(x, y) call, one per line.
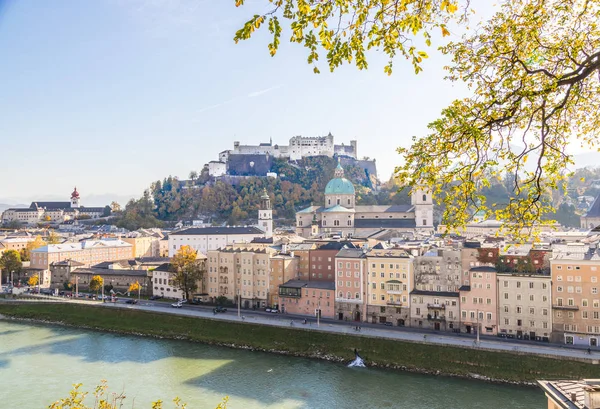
point(339, 186)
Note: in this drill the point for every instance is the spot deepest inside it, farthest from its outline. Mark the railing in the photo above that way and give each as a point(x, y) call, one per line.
point(436, 318)
point(397, 303)
point(437, 306)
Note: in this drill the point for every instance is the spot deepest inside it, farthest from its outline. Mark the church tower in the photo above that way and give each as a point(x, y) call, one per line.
point(75, 198)
point(422, 200)
point(265, 215)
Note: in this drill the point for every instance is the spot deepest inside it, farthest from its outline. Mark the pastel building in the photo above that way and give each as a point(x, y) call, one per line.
point(389, 282)
point(435, 298)
point(478, 302)
point(309, 298)
point(351, 284)
point(575, 295)
point(525, 306)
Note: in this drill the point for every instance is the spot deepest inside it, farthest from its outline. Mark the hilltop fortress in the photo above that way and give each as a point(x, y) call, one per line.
point(257, 159)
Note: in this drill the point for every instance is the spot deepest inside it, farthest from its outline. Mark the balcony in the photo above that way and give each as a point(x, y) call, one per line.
point(394, 303)
point(436, 306)
point(435, 317)
point(566, 307)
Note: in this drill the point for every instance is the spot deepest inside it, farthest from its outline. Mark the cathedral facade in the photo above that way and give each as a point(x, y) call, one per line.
point(340, 216)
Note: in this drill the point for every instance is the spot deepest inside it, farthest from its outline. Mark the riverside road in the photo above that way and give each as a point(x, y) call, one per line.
point(342, 327)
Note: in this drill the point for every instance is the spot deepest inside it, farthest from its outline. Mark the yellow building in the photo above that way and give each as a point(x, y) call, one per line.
point(240, 272)
point(144, 246)
point(390, 280)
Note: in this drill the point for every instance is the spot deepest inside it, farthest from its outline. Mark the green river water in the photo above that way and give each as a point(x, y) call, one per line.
point(39, 363)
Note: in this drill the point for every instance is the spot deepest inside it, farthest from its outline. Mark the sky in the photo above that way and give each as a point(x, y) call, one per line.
point(111, 95)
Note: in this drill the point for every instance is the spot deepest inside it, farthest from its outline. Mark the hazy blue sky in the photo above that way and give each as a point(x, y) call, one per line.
point(110, 95)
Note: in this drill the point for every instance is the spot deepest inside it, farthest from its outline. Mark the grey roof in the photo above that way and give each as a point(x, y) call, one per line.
point(384, 223)
point(465, 288)
point(51, 205)
point(351, 253)
point(322, 285)
point(384, 209)
point(218, 230)
point(70, 263)
point(109, 272)
point(336, 245)
point(568, 394)
point(164, 267)
point(435, 293)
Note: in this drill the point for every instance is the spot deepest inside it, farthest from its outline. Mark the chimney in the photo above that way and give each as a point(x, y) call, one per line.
point(591, 393)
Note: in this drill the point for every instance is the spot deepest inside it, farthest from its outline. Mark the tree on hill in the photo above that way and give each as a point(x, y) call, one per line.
point(532, 70)
point(10, 261)
point(188, 270)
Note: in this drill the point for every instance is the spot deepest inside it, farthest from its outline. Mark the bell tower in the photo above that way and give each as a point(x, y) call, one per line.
point(422, 200)
point(265, 215)
point(75, 198)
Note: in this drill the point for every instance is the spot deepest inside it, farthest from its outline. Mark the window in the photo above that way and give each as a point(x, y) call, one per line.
point(506, 308)
point(489, 316)
point(531, 311)
point(518, 284)
point(519, 309)
point(531, 297)
point(531, 284)
point(506, 321)
point(559, 289)
point(544, 311)
point(584, 303)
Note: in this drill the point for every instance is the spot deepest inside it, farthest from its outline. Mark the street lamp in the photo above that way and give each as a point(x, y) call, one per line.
point(76, 286)
point(239, 303)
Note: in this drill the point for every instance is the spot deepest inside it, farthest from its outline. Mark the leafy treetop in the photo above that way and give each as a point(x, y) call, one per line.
point(534, 74)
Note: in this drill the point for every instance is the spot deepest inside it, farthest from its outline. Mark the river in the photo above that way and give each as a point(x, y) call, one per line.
point(39, 363)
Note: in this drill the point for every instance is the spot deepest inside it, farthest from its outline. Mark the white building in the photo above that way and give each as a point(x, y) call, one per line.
point(203, 239)
point(162, 283)
point(340, 215)
point(525, 305)
point(217, 168)
point(299, 147)
point(55, 212)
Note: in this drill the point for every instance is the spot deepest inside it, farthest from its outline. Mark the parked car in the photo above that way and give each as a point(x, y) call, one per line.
point(220, 309)
point(196, 301)
point(131, 301)
point(387, 324)
point(176, 305)
point(274, 310)
point(156, 297)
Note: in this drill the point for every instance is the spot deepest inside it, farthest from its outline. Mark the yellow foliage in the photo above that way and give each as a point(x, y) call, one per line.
point(33, 280)
point(134, 287)
point(103, 399)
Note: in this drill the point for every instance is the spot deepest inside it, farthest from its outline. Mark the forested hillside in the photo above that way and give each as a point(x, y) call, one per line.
point(235, 200)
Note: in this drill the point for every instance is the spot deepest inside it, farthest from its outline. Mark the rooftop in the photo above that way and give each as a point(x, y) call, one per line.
point(109, 272)
point(200, 231)
point(570, 394)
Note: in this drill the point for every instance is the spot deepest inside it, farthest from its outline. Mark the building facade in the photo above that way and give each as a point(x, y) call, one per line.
point(87, 252)
point(575, 296)
point(525, 306)
point(351, 285)
point(390, 280)
point(435, 298)
point(340, 216)
point(205, 239)
point(478, 302)
point(53, 212)
point(308, 298)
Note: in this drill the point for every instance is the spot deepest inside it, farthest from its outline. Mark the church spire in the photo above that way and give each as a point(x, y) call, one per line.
point(339, 170)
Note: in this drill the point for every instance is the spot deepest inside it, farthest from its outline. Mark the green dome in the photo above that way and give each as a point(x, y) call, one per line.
point(339, 186)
